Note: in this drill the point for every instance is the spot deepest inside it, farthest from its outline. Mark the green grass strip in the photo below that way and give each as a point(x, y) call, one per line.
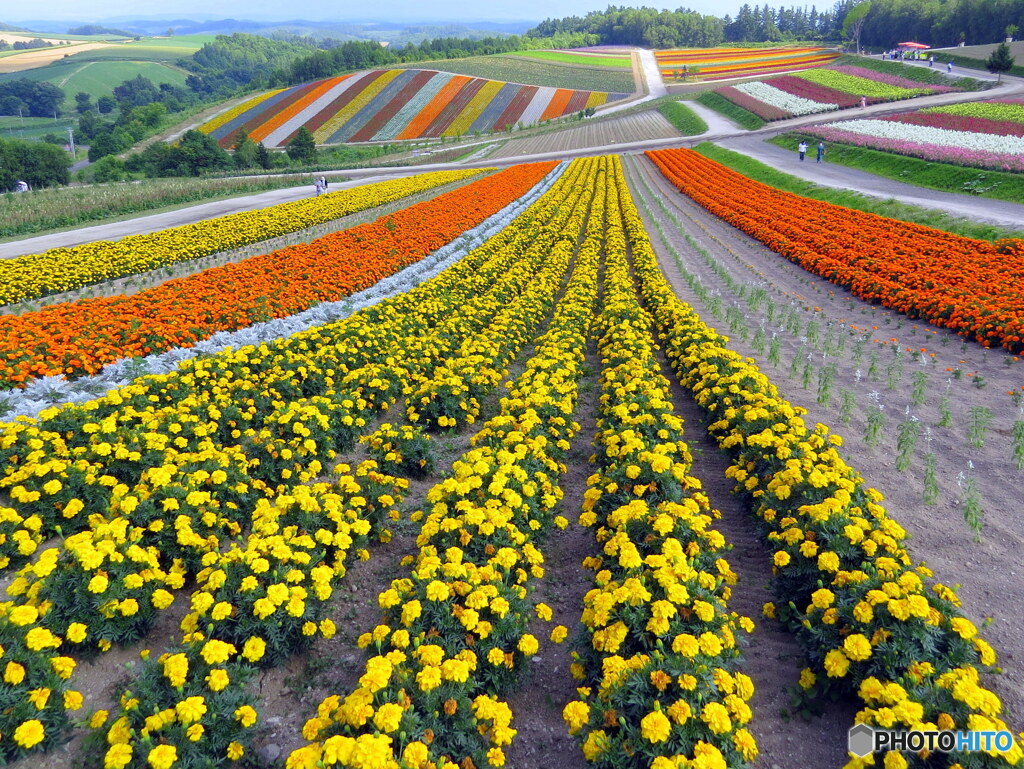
point(684, 119)
point(758, 171)
point(946, 177)
point(744, 117)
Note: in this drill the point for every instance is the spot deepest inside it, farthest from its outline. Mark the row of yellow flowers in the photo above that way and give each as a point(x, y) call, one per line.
point(872, 623)
point(63, 269)
point(454, 635)
point(256, 602)
point(660, 668)
point(238, 109)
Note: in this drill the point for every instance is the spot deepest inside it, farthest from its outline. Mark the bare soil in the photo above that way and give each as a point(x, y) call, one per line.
point(649, 124)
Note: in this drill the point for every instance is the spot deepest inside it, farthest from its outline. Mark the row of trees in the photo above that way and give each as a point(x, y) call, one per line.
point(30, 99)
point(940, 23)
point(25, 45)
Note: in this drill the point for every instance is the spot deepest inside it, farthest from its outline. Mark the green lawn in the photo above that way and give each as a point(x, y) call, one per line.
point(567, 57)
point(34, 127)
point(543, 73)
point(97, 78)
point(150, 49)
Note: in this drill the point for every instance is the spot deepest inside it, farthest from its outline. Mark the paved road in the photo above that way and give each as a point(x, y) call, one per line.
point(720, 130)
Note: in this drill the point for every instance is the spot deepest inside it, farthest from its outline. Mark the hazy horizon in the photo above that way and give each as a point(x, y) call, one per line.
point(443, 11)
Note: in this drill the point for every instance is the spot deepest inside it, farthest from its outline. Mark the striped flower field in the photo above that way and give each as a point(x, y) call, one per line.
point(384, 105)
point(725, 63)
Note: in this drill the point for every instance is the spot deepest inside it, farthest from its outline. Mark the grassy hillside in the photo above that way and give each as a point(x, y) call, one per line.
point(624, 61)
point(543, 73)
point(98, 78)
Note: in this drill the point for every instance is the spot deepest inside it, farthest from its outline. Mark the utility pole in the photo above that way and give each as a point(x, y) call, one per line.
point(71, 142)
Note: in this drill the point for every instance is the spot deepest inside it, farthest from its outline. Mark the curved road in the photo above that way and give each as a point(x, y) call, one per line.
point(720, 130)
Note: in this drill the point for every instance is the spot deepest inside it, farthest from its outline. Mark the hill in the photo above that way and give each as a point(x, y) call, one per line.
point(381, 105)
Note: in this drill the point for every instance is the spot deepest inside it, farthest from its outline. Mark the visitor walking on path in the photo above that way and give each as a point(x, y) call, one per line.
point(949, 66)
point(802, 149)
point(863, 102)
point(931, 60)
point(821, 151)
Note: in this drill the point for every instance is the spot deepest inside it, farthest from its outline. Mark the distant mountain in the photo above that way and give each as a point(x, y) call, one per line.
point(395, 32)
point(11, 28)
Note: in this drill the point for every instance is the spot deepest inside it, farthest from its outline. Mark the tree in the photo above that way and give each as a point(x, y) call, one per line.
point(1000, 61)
point(83, 102)
point(106, 104)
point(246, 151)
point(853, 24)
point(263, 157)
point(302, 148)
point(198, 152)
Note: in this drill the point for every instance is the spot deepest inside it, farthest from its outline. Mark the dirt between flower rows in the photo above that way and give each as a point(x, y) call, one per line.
point(987, 570)
point(649, 124)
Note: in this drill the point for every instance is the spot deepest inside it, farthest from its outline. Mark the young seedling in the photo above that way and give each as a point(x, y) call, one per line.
point(805, 378)
point(906, 442)
point(945, 412)
point(894, 375)
point(876, 422)
point(978, 420)
point(775, 351)
point(931, 478)
point(759, 341)
point(1018, 444)
point(973, 513)
point(873, 366)
point(826, 379)
point(847, 406)
point(918, 391)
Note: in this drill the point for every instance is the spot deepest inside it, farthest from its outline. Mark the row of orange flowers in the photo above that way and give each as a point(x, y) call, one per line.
point(80, 337)
point(970, 286)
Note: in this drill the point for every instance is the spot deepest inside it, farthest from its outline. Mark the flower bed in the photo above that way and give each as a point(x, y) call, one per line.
point(80, 338)
point(969, 286)
point(660, 666)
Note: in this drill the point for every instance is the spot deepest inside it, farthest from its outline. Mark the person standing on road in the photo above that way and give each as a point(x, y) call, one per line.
point(931, 60)
point(949, 66)
point(802, 149)
point(863, 102)
point(821, 151)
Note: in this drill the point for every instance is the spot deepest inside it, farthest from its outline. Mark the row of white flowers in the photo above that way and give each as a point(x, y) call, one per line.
point(50, 391)
point(942, 137)
point(774, 97)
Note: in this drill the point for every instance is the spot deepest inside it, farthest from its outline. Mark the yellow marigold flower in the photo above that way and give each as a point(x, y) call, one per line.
point(190, 709)
point(76, 632)
point(99, 583)
point(73, 700)
point(596, 743)
point(14, 673)
point(411, 612)
point(857, 647)
point(39, 697)
point(217, 679)
point(98, 719)
point(245, 715)
point(217, 652)
point(894, 760)
point(807, 678)
point(686, 644)
point(768, 610)
point(655, 727)
point(716, 716)
point(438, 591)
point(710, 644)
point(29, 733)
point(576, 715)
point(162, 756)
point(176, 669)
point(428, 679)
point(705, 612)
point(745, 744)
point(195, 732)
point(781, 558)
point(544, 612)
point(822, 598)
point(235, 751)
point(388, 717)
point(496, 757)
point(118, 756)
point(528, 645)
point(836, 664)
point(963, 627)
point(559, 633)
point(23, 615)
point(254, 648)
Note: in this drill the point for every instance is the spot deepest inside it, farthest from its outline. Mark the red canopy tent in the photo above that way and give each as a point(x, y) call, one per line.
point(914, 46)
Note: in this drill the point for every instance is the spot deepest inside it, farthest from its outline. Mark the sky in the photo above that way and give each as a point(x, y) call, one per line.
point(331, 10)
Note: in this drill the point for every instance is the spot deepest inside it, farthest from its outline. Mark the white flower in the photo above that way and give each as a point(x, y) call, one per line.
point(775, 97)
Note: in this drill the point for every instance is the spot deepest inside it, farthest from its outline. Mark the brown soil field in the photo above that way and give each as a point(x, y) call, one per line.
point(40, 57)
point(649, 124)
